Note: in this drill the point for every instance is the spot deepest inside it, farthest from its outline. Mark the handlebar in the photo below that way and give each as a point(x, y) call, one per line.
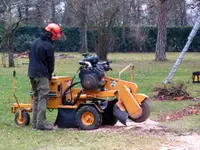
point(87, 63)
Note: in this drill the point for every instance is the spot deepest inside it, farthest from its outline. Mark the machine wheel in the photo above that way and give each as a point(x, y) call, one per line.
point(25, 120)
point(108, 117)
point(88, 118)
point(145, 113)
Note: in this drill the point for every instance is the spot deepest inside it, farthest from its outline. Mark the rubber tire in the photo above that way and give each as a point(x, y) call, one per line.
point(145, 113)
point(108, 117)
point(97, 118)
point(26, 117)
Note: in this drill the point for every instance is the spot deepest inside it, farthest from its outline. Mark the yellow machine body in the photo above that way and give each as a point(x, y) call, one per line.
point(128, 100)
point(125, 92)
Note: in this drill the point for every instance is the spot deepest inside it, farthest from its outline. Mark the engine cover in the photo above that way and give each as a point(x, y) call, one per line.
point(91, 79)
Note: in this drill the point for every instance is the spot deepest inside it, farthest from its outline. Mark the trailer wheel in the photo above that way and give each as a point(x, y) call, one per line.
point(25, 120)
point(88, 118)
point(145, 113)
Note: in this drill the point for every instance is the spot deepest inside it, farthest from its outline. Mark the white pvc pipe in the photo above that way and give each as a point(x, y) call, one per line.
point(187, 45)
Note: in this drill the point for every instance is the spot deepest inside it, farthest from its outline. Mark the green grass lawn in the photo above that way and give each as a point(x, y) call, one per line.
point(147, 75)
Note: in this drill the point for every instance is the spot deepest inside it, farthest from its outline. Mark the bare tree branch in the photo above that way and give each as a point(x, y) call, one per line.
point(4, 3)
point(15, 25)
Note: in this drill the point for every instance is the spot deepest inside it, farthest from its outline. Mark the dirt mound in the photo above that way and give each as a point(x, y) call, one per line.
point(174, 92)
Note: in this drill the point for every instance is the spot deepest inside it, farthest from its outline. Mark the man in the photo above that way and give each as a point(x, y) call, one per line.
point(41, 67)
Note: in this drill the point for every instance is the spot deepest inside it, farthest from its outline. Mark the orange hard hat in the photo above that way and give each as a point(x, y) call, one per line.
point(55, 30)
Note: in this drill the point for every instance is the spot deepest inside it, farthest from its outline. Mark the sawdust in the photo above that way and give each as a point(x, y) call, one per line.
point(174, 140)
point(189, 142)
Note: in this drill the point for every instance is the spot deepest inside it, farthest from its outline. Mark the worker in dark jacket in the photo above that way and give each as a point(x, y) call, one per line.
point(41, 67)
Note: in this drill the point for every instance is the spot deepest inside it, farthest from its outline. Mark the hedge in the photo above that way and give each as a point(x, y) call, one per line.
point(144, 42)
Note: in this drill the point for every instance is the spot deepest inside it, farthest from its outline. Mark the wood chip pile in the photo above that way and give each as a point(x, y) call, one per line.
point(191, 110)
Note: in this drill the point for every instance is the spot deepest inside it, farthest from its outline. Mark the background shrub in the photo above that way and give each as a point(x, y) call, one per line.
point(142, 39)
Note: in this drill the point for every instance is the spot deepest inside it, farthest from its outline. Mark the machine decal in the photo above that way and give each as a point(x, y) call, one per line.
point(68, 82)
point(112, 83)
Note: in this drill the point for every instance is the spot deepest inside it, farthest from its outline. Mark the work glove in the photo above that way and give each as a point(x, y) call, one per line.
point(52, 75)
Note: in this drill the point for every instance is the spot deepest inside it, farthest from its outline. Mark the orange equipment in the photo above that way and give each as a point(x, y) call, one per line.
point(101, 100)
point(55, 31)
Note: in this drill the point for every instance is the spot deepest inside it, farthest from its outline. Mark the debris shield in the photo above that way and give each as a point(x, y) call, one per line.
point(122, 116)
point(66, 118)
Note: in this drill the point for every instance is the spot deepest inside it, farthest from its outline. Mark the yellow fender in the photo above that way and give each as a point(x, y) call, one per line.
point(140, 97)
point(130, 102)
point(128, 98)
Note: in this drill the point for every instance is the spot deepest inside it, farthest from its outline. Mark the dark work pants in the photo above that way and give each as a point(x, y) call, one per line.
point(40, 88)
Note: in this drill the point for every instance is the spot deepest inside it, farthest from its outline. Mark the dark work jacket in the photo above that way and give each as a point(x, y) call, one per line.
point(41, 58)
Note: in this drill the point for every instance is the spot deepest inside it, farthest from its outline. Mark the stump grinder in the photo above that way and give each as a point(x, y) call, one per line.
point(100, 100)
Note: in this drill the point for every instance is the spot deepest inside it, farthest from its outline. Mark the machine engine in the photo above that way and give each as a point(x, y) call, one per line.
point(92, 72)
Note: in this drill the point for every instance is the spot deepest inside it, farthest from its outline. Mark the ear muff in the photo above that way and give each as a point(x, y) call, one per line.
point(47, 34)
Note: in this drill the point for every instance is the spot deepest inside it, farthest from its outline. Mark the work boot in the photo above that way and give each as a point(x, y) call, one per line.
point(45, 128)
point(33, 126)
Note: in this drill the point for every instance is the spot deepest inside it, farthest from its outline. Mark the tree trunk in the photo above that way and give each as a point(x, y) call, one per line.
point(8, 45)
point(105, 42)
point(66, 19)
point(84, 46)
point(138, 13)
point(105, 38)
point(11, 59)
point(102, 46)
point(162, 33)
point(123, 36)
point(4, 60)
point(53, 11)
point(26, 11)
point(39, 19)
point(124, 23)
point(183, 13)
point(83, 22)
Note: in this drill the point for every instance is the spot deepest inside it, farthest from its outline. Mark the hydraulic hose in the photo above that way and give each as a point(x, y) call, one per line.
point(64, 102)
